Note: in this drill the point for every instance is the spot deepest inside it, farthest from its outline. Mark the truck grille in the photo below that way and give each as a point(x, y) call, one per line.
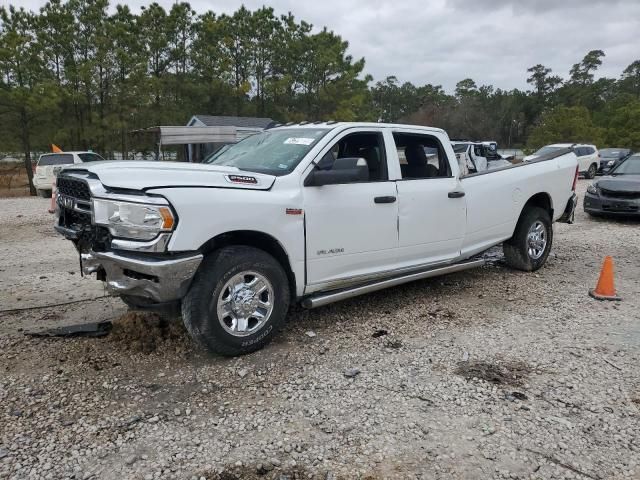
point(73, 188)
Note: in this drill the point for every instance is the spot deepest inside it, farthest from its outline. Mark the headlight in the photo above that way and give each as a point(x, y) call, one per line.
point(136, 221)
point(610, 163)
point(592, 189)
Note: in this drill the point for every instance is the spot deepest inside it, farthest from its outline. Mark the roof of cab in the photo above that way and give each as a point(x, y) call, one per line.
point(345, 125)
point(566, 145)
point(67, 152)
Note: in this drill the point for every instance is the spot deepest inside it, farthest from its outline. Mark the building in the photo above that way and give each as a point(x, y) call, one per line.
point(244, 126)
point(203, 135)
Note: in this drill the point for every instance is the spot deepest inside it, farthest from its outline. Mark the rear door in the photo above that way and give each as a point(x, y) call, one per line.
point(432, 207)
point(351, 228)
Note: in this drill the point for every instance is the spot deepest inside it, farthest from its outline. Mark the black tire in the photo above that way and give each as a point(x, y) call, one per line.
point(44, 193)
point(167, 310)
point(199, 307)
point(591, 172)
point(516, 249)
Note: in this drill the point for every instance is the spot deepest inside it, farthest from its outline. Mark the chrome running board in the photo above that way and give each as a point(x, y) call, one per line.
point(325, 298)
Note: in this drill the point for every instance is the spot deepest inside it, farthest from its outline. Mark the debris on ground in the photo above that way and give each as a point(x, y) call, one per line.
point(506, 373)
point(351, 372)
point(92, 329)
point(145, 332)
point(379, 333)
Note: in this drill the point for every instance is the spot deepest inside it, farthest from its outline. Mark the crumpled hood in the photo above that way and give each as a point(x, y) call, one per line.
point(145, 175)
point(623, 183)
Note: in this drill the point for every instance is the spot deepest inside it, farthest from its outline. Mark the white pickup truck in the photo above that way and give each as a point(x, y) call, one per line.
point(310, 213)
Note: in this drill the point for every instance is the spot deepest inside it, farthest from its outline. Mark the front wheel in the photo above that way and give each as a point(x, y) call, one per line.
point(237, 302)
point(530, 245)
point(591, 172)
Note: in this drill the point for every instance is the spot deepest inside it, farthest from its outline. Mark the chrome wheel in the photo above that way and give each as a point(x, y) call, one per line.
point(536, 240)
point(245, 303)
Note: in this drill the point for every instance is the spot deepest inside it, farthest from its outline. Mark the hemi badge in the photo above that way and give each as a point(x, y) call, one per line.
point(294, 211)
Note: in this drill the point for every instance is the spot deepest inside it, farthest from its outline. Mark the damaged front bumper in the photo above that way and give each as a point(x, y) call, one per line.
point(160, 278)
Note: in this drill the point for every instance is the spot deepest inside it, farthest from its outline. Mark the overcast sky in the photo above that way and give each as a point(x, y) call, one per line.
point(444, 41)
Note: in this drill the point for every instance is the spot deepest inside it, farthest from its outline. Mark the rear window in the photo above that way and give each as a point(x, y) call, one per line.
point(90, 157)
point(55, 159)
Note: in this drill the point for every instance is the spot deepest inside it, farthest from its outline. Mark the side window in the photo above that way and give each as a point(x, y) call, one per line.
point(581, 151)
point(589, 151)
point(421, 156)
point(367, 145)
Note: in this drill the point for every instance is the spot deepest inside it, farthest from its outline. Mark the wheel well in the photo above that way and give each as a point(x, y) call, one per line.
point(255, 239)
point(542, 200)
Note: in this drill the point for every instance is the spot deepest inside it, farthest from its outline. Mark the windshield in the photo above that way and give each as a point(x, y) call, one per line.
point(460, 147)
point(90, 157)
point(631, 166)
point(547, 150)
point(611, 153)
point(276, 152)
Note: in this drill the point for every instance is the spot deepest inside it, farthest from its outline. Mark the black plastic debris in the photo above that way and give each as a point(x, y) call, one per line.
point(519, 395)
point(93, 329)
point(379, 333)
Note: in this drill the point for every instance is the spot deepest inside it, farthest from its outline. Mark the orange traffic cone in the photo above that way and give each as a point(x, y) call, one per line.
point(52, 208)
point(605, 290)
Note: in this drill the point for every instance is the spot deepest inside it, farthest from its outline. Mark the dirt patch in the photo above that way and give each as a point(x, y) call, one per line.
point(507, 373)
point(146, 332)
point(262, 472)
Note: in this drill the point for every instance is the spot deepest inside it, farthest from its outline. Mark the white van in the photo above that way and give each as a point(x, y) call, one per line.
point(50, 163)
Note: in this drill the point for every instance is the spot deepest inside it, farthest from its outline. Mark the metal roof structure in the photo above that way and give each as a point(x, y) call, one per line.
point(230, 121)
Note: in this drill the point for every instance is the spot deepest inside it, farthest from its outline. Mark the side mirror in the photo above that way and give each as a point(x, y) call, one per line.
point(344, 170)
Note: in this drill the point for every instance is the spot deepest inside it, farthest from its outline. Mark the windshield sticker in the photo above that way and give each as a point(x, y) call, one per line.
point(299, 141)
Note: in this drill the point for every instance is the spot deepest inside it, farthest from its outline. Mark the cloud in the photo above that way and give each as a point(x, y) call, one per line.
point(444, 41)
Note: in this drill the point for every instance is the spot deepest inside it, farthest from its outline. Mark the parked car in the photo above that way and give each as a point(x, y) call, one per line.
point(610, 157)
point(474, 157)
point(308, 213)
point(50, 163)
point(588, 161)
point(618, 193)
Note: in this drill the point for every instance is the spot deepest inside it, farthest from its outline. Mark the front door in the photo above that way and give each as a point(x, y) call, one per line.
point(351, 228)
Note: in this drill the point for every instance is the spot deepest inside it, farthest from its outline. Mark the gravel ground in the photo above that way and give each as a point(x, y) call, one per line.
point(488, 373)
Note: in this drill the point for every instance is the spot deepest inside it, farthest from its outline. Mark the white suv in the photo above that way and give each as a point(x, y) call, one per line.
point(50, 163)
point(588, 157)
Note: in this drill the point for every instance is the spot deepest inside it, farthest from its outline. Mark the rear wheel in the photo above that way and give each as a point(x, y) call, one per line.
point(237, 302)
point(591, 172)
point(530, 245)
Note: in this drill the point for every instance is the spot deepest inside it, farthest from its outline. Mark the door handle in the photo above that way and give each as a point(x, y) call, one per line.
point(456, 194)
point(389, 199)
